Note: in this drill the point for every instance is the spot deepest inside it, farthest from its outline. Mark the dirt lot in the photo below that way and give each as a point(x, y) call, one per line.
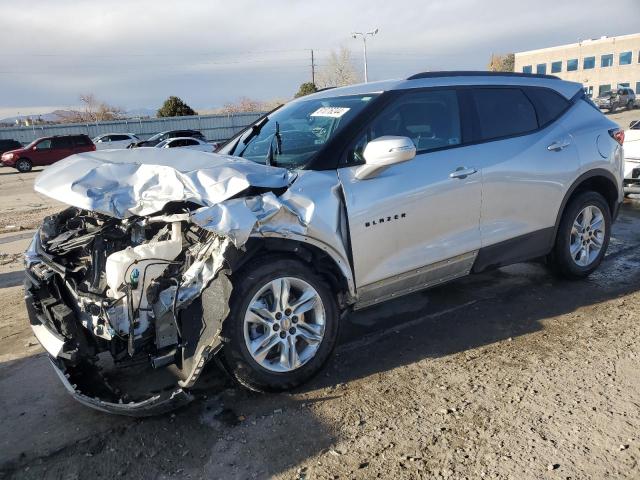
point(510, 374)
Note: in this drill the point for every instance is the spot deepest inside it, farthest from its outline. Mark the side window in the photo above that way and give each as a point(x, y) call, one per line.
point(82, 140)
point(190, 142)
point(119, 138)
point(44, 144)
point(548, 104)
point(61, 142)
point(431, 119)
point(503, 112)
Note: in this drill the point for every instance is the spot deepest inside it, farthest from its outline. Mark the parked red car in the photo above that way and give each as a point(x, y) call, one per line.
point(45, 151)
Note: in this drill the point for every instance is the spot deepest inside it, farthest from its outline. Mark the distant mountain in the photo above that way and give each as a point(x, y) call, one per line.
point(56, 114)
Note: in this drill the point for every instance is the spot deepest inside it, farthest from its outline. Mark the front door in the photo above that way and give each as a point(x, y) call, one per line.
point(416, 223)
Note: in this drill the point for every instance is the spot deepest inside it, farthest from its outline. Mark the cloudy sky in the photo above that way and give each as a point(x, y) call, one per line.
point(136, 53)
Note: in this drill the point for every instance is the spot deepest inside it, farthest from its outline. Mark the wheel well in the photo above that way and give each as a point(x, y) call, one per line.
point(602, 185)
point(315, 257)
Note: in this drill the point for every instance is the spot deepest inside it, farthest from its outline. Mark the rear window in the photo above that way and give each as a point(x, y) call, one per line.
point(503, 112)
point(548, 104)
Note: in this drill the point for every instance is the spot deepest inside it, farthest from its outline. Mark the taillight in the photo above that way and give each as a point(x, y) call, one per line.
point(617, 134)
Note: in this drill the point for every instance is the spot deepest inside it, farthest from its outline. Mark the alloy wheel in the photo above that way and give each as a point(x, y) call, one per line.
point(284, 324)
point(587, 236)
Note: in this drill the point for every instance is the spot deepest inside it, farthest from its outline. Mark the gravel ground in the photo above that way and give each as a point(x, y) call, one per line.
point(509, 374)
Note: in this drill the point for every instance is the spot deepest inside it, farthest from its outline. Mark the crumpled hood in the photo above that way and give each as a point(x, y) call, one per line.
point(122, 183)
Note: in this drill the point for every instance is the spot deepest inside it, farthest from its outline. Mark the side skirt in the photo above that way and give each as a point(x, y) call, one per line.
point(515, 250)
point(414, 280)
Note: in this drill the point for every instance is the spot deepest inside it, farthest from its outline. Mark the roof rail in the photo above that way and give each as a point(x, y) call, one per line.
point(479, 73)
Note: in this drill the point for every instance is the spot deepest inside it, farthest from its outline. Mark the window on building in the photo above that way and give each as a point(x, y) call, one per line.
point(589, 63)
point(572, 65)
point(503, 112)
point(625, 58)
point(527, 69)
point(588, 91)
point(606, 60)
point(604, 88)
point(624, 84)
point(541, 68)
point(556, 67)
point(638, 87)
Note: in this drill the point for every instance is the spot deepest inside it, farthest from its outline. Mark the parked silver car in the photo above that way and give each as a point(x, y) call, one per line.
point(611, 100)
point(337, 201)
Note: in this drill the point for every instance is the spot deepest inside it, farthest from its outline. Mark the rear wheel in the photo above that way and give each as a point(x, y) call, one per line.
point(583, 236)
point(24, 165)
point(282, 327)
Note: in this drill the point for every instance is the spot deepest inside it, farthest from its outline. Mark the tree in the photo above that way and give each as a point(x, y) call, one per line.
point(339, 71)
point(502, 63)
point(306, 88)
point(246, 104)
point(93, 110)
point(175, 107)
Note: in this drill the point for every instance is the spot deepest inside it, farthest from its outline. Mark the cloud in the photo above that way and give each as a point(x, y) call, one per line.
point(135, 54)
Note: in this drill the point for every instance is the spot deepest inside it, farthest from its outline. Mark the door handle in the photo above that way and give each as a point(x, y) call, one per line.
point(462, 172)
point(559, 145)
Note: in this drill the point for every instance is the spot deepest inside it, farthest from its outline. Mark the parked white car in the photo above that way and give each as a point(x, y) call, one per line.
point(186, 142)
point(632, 158)
point(115, 140)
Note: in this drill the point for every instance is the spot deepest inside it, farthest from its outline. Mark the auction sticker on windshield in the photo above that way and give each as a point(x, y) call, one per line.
point(333, 112)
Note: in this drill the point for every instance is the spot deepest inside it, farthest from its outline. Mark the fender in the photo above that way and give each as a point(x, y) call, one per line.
point(614, 203)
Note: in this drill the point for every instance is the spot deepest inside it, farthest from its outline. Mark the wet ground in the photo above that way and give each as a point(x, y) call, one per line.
point(508, 374)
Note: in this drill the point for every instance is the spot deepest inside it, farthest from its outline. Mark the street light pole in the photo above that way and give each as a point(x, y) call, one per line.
point(364, 43)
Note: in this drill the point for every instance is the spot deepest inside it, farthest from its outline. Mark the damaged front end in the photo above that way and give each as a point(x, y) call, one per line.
point(118, 304)
point(128, 289)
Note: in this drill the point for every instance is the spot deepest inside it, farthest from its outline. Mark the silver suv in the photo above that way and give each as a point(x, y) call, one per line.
point(334, 202)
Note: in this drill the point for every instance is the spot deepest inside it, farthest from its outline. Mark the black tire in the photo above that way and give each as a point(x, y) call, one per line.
point(24, 165)
point(235, 354)
point(560, 258)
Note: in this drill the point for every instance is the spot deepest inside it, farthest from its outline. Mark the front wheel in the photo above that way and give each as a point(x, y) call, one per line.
point(24, 165)
point(282, 327)
point(583, 236)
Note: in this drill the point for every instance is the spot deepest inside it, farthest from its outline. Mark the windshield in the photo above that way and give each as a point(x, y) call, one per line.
point(155, 137)
point(292, 135)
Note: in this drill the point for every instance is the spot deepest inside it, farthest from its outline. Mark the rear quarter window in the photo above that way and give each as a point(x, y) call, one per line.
point(548, 104)
point(503, 112)
point(82, 141)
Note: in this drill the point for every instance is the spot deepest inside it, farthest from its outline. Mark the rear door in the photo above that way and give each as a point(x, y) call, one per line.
point(423, 212)
point(61, 147)
point(527, 158)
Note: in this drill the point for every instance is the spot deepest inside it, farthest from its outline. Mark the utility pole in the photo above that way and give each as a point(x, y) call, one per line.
point(313, 69)
point(364, 42)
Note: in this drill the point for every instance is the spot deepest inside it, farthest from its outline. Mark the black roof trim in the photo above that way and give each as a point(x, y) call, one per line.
point(479, 73)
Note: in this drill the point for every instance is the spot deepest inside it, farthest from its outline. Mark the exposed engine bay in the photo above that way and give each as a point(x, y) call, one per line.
point(124, 289)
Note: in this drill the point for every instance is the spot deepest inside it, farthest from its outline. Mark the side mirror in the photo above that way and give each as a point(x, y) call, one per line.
point(383, 152)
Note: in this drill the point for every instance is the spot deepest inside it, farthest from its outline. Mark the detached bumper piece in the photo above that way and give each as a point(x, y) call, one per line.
point(154, 405)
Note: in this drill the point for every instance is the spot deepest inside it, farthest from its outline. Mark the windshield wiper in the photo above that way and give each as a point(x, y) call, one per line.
point(278, 138)
point(255, 130)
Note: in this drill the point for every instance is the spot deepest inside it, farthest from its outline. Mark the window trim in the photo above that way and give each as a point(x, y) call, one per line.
point(468, 117)
point(396, 95)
